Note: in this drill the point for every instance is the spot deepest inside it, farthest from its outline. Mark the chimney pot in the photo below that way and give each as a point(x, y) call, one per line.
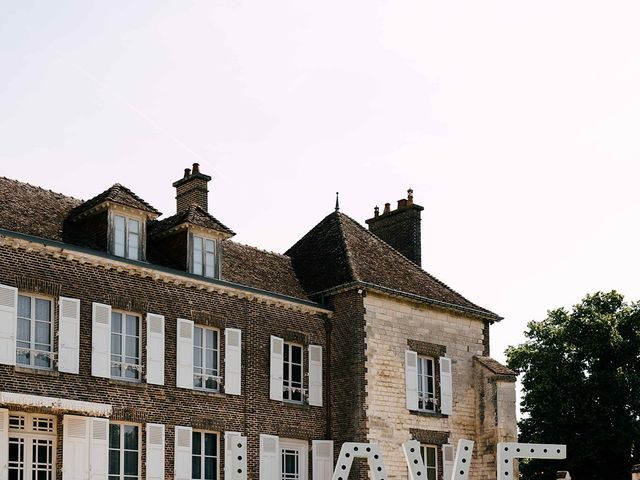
point(187, 172)
point(196, 168)
point(410, 196)
point(387, 208)
point(376, 211)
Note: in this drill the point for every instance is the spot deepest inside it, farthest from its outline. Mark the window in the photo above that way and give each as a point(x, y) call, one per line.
point(32, 439)
point(429, 454)
point(292, 373)
point(125, 346)
point(124, 452)
point(126, 237)
point(203, 258)
point(426, 384)
point(206, 360)
point(34, 347)
point(204, 458)
point(293, 459)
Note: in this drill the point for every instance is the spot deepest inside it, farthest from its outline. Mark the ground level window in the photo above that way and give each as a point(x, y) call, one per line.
point(124, 452)
point(429, 454)
point(204, 458)
point(32, 441)
point(293, 459)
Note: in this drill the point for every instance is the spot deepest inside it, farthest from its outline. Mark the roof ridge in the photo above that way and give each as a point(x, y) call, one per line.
point(259, 249)
point(40, 188)
point(348, 254)
point(409, 262)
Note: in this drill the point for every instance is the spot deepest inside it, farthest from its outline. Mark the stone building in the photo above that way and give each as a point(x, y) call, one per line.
point(136, 346)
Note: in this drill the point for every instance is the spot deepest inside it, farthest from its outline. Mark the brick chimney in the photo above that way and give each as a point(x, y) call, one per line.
point(400, 228)
point(192, 188)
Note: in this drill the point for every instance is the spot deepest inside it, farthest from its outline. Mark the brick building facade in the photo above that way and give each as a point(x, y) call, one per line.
point(133, 347)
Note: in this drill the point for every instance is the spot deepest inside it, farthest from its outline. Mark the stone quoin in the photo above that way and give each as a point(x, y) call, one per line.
point(135, 345)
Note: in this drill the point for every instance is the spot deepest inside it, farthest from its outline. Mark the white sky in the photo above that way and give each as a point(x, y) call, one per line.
point(516, 123)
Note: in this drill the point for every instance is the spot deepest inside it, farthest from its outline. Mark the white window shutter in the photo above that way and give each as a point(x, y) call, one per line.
point(269, 457)
point(8, 324)
point(277, 348)
point(155, 349)
point(75, 447)
point(4, 443)
point(446, 386)
point(322, 458)
point(155, 451)
point(447, 461)
point(182, 454)
point(99, 449)
point(228, 453)
point(315, 375)
point(69, 335)
point(232, 361)
point(101, 340)
point(184, 353)
point(411, 379)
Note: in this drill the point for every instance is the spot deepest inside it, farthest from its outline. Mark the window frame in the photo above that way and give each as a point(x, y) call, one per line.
point(123, 335)
point(114, 231)
point(202, 452)
point(121, 450)
point(51, 354)
point(423, 455)
point(217, 378)
point(289, 388)
point(302, 449)
point(425, 400)
point(28, 435)
point(192, 252)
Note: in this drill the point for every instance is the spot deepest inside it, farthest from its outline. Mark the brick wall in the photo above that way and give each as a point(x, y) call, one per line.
point(251, 414)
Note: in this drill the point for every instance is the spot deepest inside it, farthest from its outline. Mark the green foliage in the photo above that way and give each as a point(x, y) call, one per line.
point(581, 387)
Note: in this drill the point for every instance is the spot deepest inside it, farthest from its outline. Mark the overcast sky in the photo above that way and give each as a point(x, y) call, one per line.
point(516, 123)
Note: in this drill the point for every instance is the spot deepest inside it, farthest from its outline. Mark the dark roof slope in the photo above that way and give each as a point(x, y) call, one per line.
point(495, 366)
point(33, 210)
point(260, 269)
point(116, 194)
point(339, 251)
point(194, 215)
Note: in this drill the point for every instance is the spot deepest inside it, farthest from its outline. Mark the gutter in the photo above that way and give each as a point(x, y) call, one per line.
point(399, 293)
point(64, 247)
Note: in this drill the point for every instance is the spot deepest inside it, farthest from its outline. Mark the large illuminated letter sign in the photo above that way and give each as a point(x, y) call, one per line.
point(238, 458)
point(351, 450)
point(418, 470)
point(508, 451)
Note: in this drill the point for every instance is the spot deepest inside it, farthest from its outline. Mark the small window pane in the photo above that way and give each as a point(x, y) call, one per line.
point(114, 435)
point(43, 333)
point(296, 354)
point(134, 226)
point(210, 246)
point(209, 468)
point(132, 325)
point(114, 462)
point(116, 322)
point(43, 310)
point(210, 445)
point(24, 330)
point(130, 437)
point(196, 444)
point(24, 306)
point(197, 331)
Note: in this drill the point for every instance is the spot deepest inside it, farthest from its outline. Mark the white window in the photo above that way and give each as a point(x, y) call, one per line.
point(126, 237)
point(34, 347)
point(292, 384)
point(204, 256)
point(124, 451)
point(32, 442)
point(426, 384)
point(206, 359)
point(125, 346)
point(293, 459)
point(204, 458)
point(429, 454)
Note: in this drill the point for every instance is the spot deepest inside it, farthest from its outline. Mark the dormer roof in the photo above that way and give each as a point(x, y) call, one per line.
point(194, 215)
point(117, 194)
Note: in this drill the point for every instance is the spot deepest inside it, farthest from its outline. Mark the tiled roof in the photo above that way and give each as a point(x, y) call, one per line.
point(260, 269)
point(339, 251)
point(194, 215)
point(495, 366)
point(33, 210)
point(116, 194)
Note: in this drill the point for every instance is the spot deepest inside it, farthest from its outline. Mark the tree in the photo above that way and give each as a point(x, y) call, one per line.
point(581, 387)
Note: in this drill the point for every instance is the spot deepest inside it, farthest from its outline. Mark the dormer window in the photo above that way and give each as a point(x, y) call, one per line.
point(127, 237)
point(204, 256)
